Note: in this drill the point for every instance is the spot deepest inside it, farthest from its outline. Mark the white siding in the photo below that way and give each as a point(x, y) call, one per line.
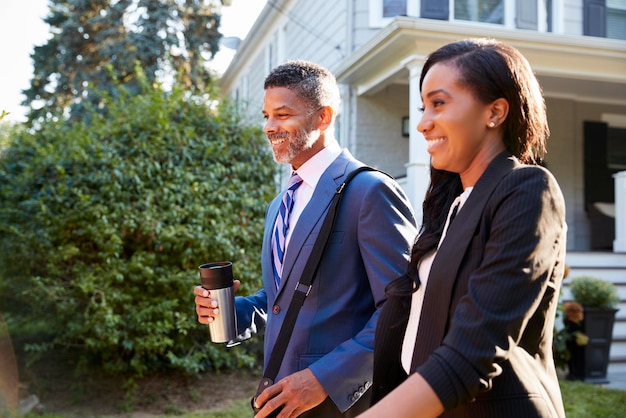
point(250, 86)
point(363, 31)
point(562, 160)
point(319, 27)
point(573, 17)
point(256, 75)
point(379, 139)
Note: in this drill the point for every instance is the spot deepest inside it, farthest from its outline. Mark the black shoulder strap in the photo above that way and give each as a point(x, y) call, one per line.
point(304, 285)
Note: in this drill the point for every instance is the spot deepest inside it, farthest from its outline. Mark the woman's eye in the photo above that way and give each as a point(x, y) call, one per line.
point(432, 104)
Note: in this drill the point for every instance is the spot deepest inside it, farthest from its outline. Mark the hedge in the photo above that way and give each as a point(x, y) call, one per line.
point(104, 222)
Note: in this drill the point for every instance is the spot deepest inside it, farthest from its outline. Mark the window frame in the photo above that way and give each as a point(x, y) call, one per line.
point(376, 19)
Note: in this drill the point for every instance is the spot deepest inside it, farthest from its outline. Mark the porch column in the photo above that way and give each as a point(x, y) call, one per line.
point(619, 245)
point(418, 167)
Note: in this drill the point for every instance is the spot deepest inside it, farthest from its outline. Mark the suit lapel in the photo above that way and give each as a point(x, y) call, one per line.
point(445, 267)
point(266, 252)
point(312, 216)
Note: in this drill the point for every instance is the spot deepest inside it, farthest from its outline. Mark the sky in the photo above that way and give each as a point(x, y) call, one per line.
point(22, 28)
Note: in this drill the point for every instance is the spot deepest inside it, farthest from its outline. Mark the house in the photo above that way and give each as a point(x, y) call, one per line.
point(376, 49)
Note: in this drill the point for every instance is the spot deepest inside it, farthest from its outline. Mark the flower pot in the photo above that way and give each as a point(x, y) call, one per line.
point(590, 362)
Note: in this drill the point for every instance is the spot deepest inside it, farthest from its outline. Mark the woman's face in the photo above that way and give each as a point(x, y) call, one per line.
point(456, 125)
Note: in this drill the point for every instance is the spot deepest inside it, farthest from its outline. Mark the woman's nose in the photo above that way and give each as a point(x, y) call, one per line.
point(424, 125)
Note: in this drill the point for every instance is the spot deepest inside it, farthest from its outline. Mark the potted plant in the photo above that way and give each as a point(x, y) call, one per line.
point(588, 321)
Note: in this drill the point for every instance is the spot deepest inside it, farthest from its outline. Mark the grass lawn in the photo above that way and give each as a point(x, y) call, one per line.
point(582, 400)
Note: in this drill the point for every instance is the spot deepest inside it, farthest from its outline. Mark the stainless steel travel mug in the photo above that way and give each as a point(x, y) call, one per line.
point(217, 278)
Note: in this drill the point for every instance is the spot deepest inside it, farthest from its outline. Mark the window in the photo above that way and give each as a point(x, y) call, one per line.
point(598, 176)
point(604, 18)
point(488, 11)
point(393, 8)
point(616, 148)
point(616, 19)
point(515, 14)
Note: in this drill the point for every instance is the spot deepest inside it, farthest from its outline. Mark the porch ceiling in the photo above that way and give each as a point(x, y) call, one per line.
point(581, 68)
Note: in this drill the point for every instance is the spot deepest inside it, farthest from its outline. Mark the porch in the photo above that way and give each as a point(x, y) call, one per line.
point(610, 266)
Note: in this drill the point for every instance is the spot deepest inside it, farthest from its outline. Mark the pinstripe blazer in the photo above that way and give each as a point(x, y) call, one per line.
point(485, 333)
point(368, 247)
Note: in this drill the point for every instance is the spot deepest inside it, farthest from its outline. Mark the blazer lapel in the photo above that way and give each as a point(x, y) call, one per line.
point(445, 267)
point(311, 217)
point(266, 251)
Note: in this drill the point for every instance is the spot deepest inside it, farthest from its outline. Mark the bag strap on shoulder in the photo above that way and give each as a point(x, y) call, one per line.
point(303, 287)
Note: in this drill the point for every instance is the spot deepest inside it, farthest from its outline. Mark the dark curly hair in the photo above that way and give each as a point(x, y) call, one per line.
point(314, 84)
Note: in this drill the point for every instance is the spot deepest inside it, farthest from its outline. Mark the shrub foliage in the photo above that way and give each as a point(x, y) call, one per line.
point(594, 292)
point(104, 222)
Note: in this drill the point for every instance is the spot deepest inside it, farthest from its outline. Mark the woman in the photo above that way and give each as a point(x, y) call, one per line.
point(468, 331)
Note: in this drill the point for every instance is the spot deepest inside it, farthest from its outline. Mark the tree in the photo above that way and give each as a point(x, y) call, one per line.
point(95, 44)
point(104, 222)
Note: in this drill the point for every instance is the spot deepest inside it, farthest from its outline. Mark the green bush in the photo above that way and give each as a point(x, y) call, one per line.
point(594, 292)
point(104, 222)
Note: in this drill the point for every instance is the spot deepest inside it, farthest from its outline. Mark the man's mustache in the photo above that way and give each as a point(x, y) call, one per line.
point(279, 135)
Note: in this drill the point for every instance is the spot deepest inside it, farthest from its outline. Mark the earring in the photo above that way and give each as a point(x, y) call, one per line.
point(492, 124)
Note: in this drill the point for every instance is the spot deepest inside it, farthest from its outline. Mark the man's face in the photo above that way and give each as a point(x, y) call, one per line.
point(290, 126)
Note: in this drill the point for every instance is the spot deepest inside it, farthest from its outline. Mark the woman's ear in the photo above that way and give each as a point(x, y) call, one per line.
point(498, 112)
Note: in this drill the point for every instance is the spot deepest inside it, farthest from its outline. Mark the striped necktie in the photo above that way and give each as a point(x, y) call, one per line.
point(281, 226)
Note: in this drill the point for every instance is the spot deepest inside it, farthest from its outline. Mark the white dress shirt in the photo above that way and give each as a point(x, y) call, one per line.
point(417, 299)
point(310, 173)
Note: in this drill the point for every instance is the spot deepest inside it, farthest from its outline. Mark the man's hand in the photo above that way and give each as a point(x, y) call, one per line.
point(206, 307)
point(297, 393)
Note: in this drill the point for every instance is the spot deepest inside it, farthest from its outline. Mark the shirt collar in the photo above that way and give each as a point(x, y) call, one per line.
point(312, 169)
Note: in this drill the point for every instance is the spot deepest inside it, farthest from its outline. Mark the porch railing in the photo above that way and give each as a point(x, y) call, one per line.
point(619, 245)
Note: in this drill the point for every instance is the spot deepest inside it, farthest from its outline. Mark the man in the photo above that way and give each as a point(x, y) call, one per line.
point(328, 363)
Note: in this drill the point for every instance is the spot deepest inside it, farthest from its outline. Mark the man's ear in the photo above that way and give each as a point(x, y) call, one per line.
point(325, 117)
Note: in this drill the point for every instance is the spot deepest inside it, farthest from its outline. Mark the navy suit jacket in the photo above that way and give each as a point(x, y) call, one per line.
point(485, 335)
point(369, 246)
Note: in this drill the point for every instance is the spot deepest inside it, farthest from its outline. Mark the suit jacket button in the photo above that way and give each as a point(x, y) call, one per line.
point(276, 309)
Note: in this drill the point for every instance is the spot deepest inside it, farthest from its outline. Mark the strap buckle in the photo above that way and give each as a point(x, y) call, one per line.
point(301, 288)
